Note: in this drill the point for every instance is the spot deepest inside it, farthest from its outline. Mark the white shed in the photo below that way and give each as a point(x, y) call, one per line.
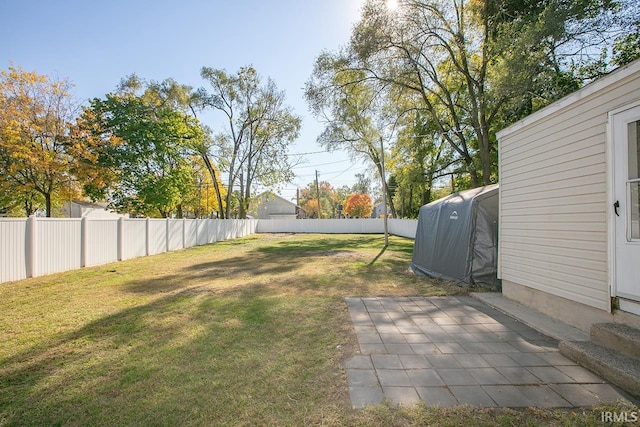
point(569, 236)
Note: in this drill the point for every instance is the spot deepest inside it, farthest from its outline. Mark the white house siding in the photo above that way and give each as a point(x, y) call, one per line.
point(268, 206)
point(553, 193)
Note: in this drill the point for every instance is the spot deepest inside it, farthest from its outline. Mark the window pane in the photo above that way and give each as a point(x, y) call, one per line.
point(633, 226)
point(634, 149)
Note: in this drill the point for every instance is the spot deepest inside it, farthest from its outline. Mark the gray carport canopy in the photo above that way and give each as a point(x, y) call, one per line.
point(457, 238)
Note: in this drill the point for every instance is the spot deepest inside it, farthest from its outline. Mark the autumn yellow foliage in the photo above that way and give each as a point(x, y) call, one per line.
point(35, 112)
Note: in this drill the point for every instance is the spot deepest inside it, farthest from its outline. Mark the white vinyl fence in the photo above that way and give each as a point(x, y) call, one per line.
point(399, 227)
point(36, 246)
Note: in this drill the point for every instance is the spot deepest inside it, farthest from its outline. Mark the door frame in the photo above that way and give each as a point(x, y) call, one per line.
point(611, 198)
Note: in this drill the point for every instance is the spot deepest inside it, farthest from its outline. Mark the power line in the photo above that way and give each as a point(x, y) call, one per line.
point(320, 164)
point(311, 152)
point(344, 171)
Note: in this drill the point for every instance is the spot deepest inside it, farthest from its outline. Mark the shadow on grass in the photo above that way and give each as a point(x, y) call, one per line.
point(373, 261)
point(161, 362)
point(233, 268)
point(260, 337)
point(322, 242)
point(289, 262)
point(260, 346)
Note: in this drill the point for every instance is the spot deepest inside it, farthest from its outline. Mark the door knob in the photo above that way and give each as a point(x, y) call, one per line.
point(616, 205)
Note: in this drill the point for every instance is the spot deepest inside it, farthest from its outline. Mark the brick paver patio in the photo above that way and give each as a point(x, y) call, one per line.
point(448, 351)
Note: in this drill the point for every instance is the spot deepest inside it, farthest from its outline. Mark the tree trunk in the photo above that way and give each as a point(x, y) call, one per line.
point(485, 158)
point(227, 208)
point(386, 188)
point(214, 178)
point(485, 155)
point(246, 200)
point(475, 179)
point(47, 204)
point(28, 207)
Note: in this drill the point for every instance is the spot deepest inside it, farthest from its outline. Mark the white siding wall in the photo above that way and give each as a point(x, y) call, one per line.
point(553, 195)
point(266, 204)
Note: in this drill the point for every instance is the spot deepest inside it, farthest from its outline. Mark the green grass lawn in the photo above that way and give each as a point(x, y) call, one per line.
point(252, 331)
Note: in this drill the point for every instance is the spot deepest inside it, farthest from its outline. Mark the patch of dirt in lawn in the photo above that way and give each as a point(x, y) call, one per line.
point(341, 254)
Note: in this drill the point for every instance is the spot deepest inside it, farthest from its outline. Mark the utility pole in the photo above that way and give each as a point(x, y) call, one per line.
point(318, 194)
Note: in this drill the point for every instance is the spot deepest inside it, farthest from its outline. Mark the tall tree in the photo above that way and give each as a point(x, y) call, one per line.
point(420, 158)
point(203, 200)
point(329, 200)
point(139, 147)
point(191, 102)
point(627, 46)
point(472, 66)
point(363, 183)
point(35, 112)
point(358, 205)
point(260, 128)
point(355, 116)
point(432, 51)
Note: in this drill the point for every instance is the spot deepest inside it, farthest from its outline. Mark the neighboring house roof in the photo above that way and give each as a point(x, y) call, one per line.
point(80, 209)
point(269, 205)
point(275, 196)
point(91, 205)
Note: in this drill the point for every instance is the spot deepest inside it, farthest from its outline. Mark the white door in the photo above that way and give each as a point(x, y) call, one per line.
point(626, 179)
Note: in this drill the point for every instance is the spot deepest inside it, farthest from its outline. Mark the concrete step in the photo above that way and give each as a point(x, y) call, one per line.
point(615, 336)
point(621, 370)
point(541, 322)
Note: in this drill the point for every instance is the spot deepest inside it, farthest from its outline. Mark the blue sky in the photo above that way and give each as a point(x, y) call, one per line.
point(97, 43)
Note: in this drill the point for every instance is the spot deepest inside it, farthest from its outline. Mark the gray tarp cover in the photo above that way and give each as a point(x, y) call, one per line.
point(457, 238)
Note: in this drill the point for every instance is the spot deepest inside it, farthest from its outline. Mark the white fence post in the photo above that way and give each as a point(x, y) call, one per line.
point(184, 233)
